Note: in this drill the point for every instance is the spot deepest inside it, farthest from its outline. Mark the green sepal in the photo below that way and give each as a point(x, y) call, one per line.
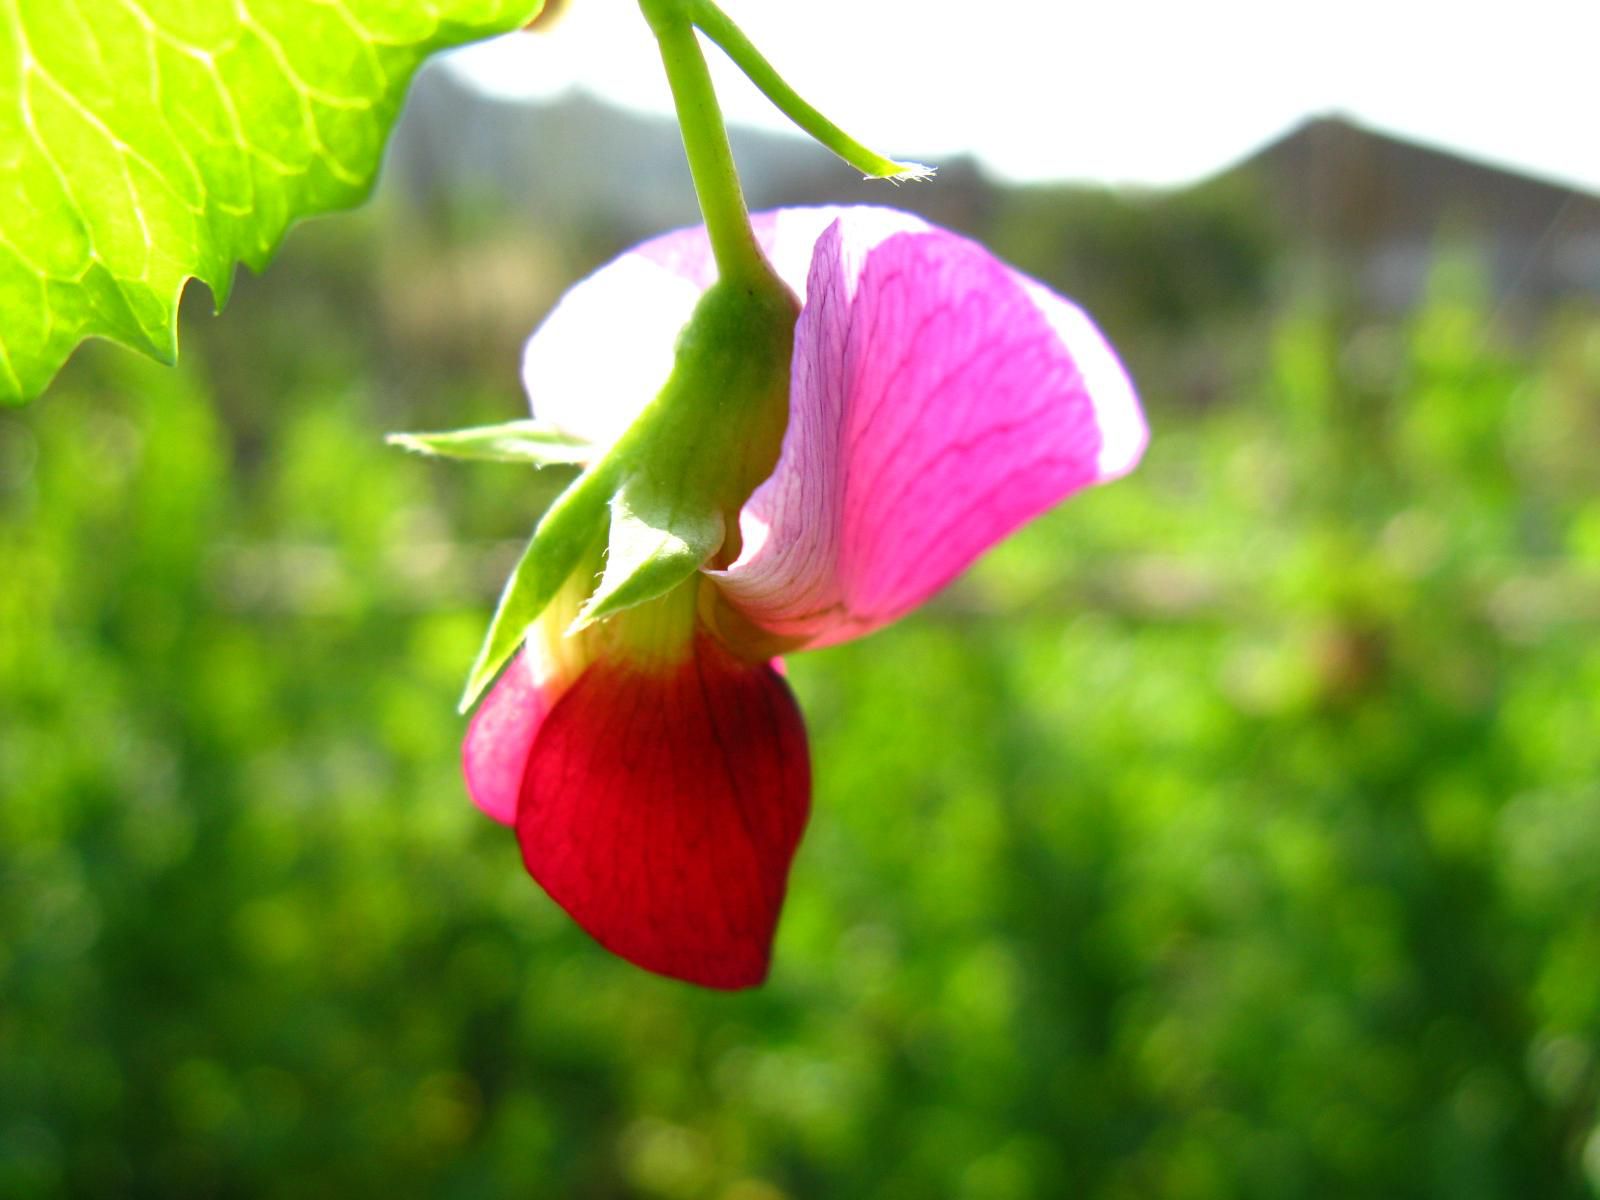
point(666, 496)
point(651, 548)
point(527, 441)
point(707, 441)
point(574, 524)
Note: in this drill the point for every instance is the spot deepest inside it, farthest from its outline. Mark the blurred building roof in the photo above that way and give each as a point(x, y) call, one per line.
point(1362, 195)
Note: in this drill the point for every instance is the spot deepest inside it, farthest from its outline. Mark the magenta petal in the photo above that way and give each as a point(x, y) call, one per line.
point(499, 739)
point(662, 810)
point(939, 400)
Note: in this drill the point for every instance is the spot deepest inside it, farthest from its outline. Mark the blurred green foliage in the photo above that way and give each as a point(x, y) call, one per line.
point(1240, 838)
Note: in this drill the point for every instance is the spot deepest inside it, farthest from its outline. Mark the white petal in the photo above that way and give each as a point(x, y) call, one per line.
point(606, 349)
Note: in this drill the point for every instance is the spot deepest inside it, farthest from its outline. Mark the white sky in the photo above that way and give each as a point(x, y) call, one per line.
point(1149, 92)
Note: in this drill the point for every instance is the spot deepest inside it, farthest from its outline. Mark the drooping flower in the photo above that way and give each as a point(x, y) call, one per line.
point(654, 765)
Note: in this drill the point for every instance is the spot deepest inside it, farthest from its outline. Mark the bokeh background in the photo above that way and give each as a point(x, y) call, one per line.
point(1233, 831)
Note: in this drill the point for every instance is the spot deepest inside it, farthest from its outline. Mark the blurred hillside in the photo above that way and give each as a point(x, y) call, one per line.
point(580, 167)
point(1237, 836)
point(1329, 214)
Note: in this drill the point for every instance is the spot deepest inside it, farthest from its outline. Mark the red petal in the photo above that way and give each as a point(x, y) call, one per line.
point(662, 809)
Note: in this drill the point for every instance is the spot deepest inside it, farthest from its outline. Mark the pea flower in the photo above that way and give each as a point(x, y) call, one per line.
point(654, 765)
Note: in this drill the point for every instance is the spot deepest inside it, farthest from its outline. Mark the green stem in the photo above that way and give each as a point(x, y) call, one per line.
point(716, 26)
point(705, 142)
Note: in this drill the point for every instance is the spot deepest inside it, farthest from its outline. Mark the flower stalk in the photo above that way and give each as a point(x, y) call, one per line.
point(705, 136)
point(705, 143)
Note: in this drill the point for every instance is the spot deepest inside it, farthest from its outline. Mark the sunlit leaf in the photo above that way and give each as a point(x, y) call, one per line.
point(147, 142)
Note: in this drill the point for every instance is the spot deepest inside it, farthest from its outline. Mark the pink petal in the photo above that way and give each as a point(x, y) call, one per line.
point(662, 810)
point(939, 400)
point(499, 739)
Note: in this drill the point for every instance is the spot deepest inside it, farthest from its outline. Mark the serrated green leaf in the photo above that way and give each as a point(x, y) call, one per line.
point(574, 525)
point(528, 441)
point(651, 548)
point(147, 142)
